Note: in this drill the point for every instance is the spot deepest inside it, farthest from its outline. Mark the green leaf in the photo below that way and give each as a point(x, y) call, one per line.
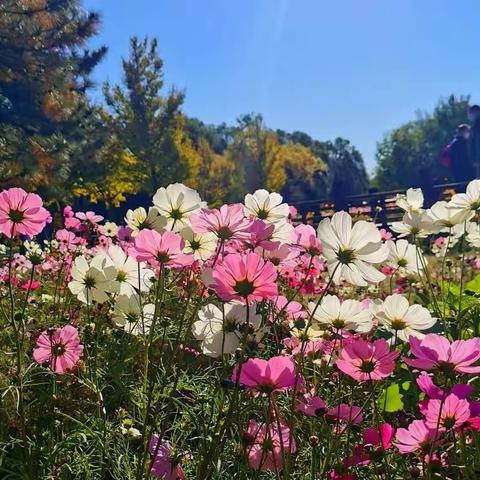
point(393, 396)
point(473, 285)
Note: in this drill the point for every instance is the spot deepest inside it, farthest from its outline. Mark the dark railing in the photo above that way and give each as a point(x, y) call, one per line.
point(377, 205)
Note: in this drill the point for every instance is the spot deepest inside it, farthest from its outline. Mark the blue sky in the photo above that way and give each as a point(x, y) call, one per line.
point(350, 68)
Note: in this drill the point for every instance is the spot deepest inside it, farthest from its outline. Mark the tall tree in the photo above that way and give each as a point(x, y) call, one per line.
point(150, 125)
point(44, 74)
point(410, 153)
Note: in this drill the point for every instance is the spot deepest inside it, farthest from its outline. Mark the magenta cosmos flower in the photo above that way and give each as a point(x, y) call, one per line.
point(21, 213)
point(266, 444)
point(453, 412)
point(266, 376)
point(160, 249)
point(59, 348)
point(434, 352)
point(363, 360)
point(418, 436)
point(245, 278)
point(228, 222)
point(165, 465)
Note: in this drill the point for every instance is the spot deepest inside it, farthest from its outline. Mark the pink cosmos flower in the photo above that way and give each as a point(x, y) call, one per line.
point(304, 236)
point(164, 465)
point(22, 213)
point(374, 441)
point(260, 234)
point(160, 249)
point(367, 361)
point(293, 310)
point(426, 385)
point(266, 376)
point(266, 444)
point(68, 240)
point(246, 278)
point(345, 413)
point(417, 437)
point(31, 285)
point(60, 348)
point(90, 217)
point(434, 352)
point(228, 222)
point(453, 412)
point(386, 235)
point(310, 404)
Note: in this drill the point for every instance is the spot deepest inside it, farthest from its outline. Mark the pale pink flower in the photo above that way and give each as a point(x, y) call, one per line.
point(305, 237)
point(450, 413)
point(68, 240)
point(245, 278)
point(89, 217)
point(266, 376)
point(164, 466)
point(417, 437)
point(434, 352)
point(228, 222)
point(367, 361)
point(266, 444)
point(160, 249)
point(60, 348)
point(22, 213)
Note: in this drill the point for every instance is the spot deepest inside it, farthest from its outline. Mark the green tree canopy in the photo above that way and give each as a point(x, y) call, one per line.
point(412, 151)
point(46, 122)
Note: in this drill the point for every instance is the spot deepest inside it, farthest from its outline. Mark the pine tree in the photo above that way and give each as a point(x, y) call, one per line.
point(150, 124)
point(45, 117)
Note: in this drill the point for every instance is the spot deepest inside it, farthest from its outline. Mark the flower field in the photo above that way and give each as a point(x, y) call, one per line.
point(235, 343)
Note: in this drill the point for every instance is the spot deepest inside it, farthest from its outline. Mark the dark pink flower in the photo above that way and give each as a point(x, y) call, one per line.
point(266, 444)
point(31, 285)
point(22, 213)
point(266, 376)
point(60, 348)
point(246, 278)
point(434, 352)
point(160, 249)
point(164, 466)
point(364, 361)
point(311, 404)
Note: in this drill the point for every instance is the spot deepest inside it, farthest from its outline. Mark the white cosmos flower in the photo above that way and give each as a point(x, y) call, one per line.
point(350, 251)
point(398, 316)
point(447, 216)
point(282, 232)
point(176, 203)
point(418, 224)
point(202, 245)
point(469, 200)
point(473, 234)
point(139, 219)
point(347, 315)
point(130, 275)
point(91, 281)
point(127, 314)
point(266, 206)
point(412, 201)
point(110, 229)
point(218, 334)
point(404, 257)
